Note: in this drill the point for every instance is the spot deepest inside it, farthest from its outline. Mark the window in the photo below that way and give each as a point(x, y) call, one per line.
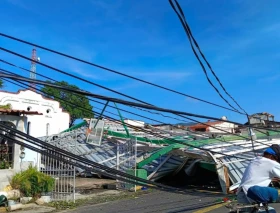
point(28, 127)
point(48, 129)
point(6, 148)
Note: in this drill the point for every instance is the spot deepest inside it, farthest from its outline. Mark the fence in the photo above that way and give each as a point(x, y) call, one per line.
point(63, 173)
point(120, 154)
point(126, 161)
point(6, 147)
point(6, 156)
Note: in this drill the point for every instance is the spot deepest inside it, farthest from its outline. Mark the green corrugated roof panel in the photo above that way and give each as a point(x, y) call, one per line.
point(159, 153)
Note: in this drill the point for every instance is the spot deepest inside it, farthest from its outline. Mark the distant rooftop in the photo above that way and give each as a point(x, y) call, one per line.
point(262, 113)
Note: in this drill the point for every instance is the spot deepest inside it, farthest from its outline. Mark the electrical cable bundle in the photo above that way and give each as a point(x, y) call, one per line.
point(126, 110)
point(68, 157)
point(59, 154)
point(18, 76)
point(192, 40)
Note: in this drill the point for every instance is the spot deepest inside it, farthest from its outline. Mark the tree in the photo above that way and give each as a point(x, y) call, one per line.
point(1, 84)
point(66, 98)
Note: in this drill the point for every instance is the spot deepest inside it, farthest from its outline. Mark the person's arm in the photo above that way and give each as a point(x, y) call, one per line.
point(276, 171)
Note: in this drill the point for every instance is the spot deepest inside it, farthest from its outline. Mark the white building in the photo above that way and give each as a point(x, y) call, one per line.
point(9, 151)
point(214, 126)
point(222, 127)
point(134, 123)
point(49, 117)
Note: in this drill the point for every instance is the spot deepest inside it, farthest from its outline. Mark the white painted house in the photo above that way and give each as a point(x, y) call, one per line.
point(221, 127)
point(214, 126)
point(49, 117)
point(10, 161)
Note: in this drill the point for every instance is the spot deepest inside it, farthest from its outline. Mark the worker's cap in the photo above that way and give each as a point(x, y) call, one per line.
point(270, 151)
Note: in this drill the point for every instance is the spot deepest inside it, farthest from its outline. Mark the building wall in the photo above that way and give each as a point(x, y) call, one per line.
point(164, 127)
point(56, 118)
point(21, 124)
point(258, 119)
point(53, 120)
point(5, 175)
point(229, 127)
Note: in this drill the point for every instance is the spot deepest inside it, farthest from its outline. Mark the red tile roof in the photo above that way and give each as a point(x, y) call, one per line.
point(17, 112)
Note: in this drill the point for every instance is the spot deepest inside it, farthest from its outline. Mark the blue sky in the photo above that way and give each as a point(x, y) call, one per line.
point(145, 39)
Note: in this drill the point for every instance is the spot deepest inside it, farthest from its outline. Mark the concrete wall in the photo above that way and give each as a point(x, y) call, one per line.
point(5, 175)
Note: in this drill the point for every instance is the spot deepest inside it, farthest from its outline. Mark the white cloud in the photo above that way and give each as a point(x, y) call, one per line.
point(167, 75)
point(119, 88)
point(126, 86)
point(270, 79)
point(273, 28)
point(191, 100)
point(84, 73)
point(23, 5)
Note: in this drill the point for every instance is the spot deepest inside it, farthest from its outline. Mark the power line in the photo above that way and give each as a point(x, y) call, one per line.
point(106, 98)
point(148, 132)
point(120, 101)
point(60, 154)
point(141, 116)
point(127, 112)
point(158, 135)
point(72, 156)
point(51, 79)
point(114, 71)
point(57, 81)
point(74, 160)
point(1, 60)
point(165, 88)
point(24, 69)
point(198, 122)
point(124, 102)
point(83, 79)
point(192, 39)
point(74, 76)
point(60, 71)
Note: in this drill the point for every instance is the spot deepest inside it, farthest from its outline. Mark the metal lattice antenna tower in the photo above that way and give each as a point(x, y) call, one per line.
point(33, 69)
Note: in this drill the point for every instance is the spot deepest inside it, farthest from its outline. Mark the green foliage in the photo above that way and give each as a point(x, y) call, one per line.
point(1, 84)
point(7, 106)
point(32, 183)
point(64, 97)
point(63, 205)
point(4, 164)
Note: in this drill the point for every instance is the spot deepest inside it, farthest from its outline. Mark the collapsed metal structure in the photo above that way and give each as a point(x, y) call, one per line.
point(227, 159)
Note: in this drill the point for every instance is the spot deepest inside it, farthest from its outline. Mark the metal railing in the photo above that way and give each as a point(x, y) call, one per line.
point(6, 156)
point(63, 173)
